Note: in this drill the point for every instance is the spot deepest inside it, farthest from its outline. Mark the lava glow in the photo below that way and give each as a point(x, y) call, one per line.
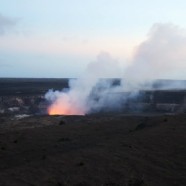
point(60, 110)
point(65, 104)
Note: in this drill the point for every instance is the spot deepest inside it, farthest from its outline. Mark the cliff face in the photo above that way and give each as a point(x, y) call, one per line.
point(23, 104)
point(169, 101)
point(26, 96)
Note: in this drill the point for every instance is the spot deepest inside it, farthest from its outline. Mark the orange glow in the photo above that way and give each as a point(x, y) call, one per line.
point(58, 110)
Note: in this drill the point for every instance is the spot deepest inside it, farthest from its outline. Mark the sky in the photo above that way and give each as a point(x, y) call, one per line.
point(59, 38)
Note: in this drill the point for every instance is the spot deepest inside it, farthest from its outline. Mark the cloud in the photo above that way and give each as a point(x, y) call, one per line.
point(6, 24)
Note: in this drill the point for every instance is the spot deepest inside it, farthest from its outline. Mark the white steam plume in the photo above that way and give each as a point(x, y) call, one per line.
point(77, 99)
point(161, 56)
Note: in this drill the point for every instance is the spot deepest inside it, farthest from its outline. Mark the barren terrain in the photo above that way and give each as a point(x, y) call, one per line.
point(110, 150)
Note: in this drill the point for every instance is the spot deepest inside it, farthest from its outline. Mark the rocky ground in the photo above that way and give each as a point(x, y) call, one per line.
point(110, 150)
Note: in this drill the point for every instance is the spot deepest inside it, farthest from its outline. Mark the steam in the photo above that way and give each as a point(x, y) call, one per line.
point(77, 99)
point(161, 56)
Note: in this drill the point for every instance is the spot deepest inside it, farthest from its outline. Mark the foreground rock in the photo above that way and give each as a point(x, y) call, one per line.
point(93, 150)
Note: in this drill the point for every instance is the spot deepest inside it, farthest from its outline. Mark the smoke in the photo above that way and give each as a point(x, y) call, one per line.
point(161, 56)
point(6, 23)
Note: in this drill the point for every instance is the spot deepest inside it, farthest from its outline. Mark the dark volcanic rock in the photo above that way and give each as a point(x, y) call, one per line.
point(140, 126)
point(93, 150)
point(62, 122)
